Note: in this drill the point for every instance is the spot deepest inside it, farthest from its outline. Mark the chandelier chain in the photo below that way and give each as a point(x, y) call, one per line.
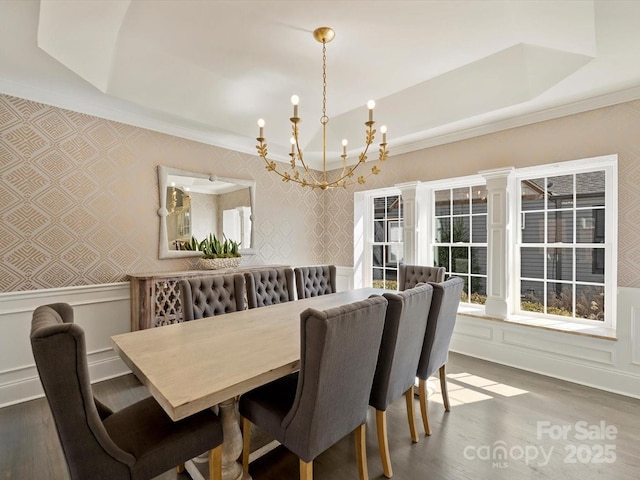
point(324, 119)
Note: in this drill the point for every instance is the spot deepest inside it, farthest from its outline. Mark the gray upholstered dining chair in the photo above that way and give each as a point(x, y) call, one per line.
point(311, 410)
point(315, 280)
point(211, 295)
point(269, 286)
point(435, 351)
point(411, 275)
point(404, 330)
point(137, 442)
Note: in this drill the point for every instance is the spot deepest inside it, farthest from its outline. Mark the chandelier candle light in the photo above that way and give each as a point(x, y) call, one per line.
point(306, 176)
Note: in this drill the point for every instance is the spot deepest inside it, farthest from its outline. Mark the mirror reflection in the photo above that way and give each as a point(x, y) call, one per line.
point(179, 216)
point(196, 205)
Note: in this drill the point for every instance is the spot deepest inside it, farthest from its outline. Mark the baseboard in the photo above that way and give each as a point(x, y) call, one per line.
point(101, 310)
point(26, 386)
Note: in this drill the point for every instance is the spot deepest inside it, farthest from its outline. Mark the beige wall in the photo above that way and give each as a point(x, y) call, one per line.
point(611, 130)
point(78, 194)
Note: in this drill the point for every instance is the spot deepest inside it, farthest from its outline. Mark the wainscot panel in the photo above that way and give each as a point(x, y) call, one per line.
point(611, 365)
point(101, 310)
point(344, 278)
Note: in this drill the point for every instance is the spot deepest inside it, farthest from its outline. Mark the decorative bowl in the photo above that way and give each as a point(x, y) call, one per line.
point(220, 263)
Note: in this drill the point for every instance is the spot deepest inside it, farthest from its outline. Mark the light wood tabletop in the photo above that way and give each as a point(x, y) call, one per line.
point(194, 365)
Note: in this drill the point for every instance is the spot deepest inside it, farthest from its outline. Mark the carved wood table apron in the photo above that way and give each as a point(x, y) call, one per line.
point(192, 366)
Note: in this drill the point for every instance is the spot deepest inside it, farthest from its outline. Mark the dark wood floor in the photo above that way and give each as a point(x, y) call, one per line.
point(493, 407)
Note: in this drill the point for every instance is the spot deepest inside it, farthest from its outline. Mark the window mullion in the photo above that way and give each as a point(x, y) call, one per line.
point(568, 197)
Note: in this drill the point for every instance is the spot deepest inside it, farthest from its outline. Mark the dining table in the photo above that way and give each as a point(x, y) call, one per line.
point(210, 362)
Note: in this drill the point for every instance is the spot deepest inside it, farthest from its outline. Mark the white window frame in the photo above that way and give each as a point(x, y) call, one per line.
point(424, 227)
point(431, 188)
point(363, 233)
point(608, 163)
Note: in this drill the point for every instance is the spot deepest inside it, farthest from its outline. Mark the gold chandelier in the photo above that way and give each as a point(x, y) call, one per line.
point(299, 171)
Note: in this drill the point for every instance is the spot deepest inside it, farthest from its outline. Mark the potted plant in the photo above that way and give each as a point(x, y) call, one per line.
point(216, 254)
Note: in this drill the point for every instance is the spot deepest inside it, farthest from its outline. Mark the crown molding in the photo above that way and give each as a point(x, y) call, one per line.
point(580, 106)
point(96, 107)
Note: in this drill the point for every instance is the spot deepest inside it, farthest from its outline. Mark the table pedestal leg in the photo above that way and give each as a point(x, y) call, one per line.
point(231, 447)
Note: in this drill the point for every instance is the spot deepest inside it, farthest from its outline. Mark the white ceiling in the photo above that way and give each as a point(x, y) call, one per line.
point(207, 70)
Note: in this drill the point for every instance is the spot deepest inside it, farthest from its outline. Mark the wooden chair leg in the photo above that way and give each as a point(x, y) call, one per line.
point(422, 394)
point(180, 468)
point(215, 463)
point(383, 444)
point(361, 452)
point(411, 416)
point(246, 443)
point(306, 470)
point(443, 387)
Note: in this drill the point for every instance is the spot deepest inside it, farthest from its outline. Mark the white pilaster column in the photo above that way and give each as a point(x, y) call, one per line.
point(411, 223)
point(497, 241)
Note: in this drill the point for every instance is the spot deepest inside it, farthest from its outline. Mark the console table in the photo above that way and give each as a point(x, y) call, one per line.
point(155, 297)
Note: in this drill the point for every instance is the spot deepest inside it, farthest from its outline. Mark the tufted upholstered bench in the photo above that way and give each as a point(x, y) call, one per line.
point(211, 295)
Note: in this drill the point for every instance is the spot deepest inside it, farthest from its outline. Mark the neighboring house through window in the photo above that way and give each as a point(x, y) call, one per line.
point(386, 244)
point(564, 239)
point(460, 237)
point(378, 237)
point(551, 250)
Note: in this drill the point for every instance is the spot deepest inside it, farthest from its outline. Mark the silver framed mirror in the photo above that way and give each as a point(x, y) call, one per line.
point(196, 204)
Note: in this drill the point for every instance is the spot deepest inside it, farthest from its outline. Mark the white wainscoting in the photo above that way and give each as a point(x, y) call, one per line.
point(101, 310)
point(104, 310)
point(605, 364)
point(344, 278)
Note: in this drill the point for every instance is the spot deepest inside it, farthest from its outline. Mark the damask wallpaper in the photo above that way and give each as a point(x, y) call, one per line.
point(78, 194)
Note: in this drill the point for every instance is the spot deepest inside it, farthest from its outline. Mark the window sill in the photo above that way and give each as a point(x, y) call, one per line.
point(554, 325)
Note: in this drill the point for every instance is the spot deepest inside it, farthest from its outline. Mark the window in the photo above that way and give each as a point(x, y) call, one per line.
point(555, 231)
point(460, 237)
point(386, 245)
point(563, 244)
